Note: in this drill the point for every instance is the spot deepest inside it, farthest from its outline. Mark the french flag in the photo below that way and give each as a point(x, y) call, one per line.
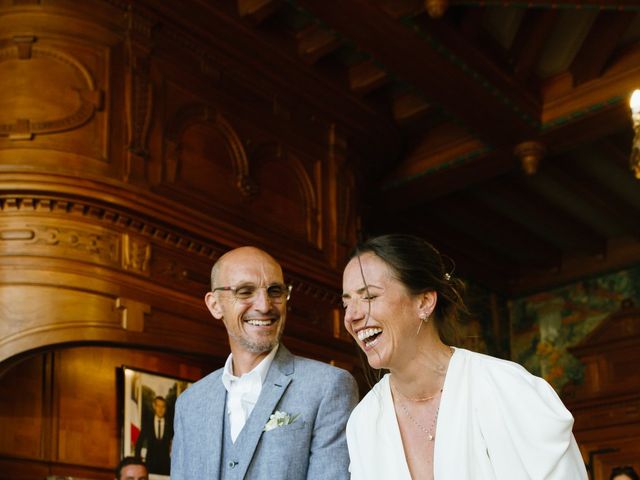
point(135, 424)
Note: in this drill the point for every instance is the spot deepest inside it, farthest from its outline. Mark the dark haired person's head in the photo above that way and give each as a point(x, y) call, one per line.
point(419, 266)
point(624, 473)
point(399, 299)
point(159, 406)
point(131, 468)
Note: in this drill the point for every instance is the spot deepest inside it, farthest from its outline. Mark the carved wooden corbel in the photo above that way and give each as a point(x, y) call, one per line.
point(139, 95)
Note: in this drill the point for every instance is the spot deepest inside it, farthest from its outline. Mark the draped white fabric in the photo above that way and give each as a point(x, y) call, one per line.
point(496, 422)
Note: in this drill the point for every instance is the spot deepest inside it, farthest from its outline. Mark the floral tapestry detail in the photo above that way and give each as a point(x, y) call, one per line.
point(546, 324)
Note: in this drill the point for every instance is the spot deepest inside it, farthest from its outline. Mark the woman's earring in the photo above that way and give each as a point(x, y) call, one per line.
point(424, 318)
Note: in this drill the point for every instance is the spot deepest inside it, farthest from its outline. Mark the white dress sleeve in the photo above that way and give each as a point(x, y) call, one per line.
point(526, 428)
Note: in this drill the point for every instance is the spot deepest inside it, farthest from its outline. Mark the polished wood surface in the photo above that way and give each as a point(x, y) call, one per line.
point(606, 406)
point(133, 153)
point(62, 410)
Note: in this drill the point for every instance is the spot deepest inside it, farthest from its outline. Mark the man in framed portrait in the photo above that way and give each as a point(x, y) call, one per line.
point(154, 442)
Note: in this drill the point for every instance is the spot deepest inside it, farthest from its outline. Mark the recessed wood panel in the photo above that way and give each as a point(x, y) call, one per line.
point(606, 406)
point(22, 408)
point(283, 202)
point(84, 404)
point(205, 165)
point(54, 97)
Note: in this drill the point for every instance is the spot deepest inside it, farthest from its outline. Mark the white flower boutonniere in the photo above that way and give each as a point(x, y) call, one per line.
point(279, 419)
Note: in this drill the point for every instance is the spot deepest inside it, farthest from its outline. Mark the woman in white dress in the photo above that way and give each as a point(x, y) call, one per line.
point(441, 413)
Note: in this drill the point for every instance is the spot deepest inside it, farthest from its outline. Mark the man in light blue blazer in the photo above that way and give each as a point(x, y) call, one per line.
point(267, 414)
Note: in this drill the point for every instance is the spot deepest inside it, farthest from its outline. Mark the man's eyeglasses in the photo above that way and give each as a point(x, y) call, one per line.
point(276, 292)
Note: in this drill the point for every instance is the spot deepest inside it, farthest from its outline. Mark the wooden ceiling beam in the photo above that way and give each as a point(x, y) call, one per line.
point(257, 11)
point(420, 189)
point(471, 23)
point(494, 230)
point(282, 74)
point(366, 76)
point(417, 184)
point(620, 254)
point(490, 104)
point(472, 260)
point(401, 8)
point(597, 197)
point(590, 126)
point(600, 43)
point(408, 106)
point(528, 44)
point(315, 41)
point(441, 146)
point(514, 199)
point(615, 153)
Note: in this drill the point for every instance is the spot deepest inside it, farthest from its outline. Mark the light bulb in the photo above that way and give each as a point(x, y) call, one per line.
point(634, 102)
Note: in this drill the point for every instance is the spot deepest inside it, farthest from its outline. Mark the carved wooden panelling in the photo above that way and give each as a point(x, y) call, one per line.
point(59, 410)
point(606, 406)
point(181, 273)
point(205, 155)
point(205, 158)
point(43, 236)
point(53, 94)
point(139, 94)
point(608, 415)
point(286, 196)
point(50, 309)
point(135, 151)
point(136, 253)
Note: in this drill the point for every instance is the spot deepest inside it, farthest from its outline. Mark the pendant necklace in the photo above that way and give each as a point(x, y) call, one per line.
point(430, 431)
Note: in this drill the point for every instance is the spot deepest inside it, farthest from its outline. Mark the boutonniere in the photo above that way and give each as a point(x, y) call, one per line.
point(279, 419)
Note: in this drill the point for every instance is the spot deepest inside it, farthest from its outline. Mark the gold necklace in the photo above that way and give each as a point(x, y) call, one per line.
point(421, 399)
point(430, 432)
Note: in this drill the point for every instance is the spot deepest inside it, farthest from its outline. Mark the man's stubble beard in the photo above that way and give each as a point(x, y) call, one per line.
point(259, 346)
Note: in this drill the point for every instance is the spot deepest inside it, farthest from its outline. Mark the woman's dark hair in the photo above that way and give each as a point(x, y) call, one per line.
point(420, 268)
point(626, 470)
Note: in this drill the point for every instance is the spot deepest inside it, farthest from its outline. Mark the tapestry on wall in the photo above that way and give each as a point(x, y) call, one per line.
point(544, 325)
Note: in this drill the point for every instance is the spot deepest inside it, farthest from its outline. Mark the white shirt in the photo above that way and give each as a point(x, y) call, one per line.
point(496, 422)
point(243, 392)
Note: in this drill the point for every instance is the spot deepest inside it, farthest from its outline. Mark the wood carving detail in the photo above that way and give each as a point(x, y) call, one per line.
point(202, 114)
point(139, 94)
point(66, 241)
point(136, 254)
point(132, 314)
point(273, 153)
point(107, 246)
point(22, 73)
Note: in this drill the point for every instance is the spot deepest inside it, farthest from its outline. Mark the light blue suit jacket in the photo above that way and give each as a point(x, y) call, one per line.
point(312, 447)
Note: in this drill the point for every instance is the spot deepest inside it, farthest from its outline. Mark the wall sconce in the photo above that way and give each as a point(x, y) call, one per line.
point(634, 160)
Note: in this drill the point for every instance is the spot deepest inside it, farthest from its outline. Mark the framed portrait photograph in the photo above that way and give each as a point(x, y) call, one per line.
point(148, 409)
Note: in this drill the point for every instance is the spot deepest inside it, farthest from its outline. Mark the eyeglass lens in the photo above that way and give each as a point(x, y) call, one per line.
point(274, 292)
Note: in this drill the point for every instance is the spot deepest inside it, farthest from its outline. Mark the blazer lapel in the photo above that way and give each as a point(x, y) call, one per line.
point(276, 383)
point(214, 409)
